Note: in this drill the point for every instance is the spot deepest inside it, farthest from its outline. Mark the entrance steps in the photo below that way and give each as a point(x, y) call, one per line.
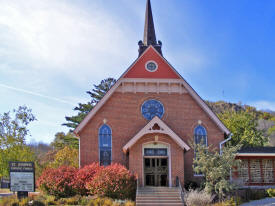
point(162, 196)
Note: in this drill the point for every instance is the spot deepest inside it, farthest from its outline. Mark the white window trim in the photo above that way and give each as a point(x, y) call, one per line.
point(152, 62)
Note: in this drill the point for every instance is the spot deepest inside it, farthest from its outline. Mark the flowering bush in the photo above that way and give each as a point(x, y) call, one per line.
point(58, 182)
point(84, 176)
point(114, 181)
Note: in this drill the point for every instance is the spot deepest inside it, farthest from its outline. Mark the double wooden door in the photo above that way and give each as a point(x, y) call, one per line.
point(156, 171)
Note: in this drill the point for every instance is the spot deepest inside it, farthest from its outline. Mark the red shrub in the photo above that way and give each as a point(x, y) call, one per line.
point(83, 176)
point(114, 181)
point(58, 182)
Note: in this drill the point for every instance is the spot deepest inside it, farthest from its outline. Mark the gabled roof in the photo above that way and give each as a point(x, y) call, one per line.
point(156, 125)
point(190, 90)
point(164, 70)
point(256, 151)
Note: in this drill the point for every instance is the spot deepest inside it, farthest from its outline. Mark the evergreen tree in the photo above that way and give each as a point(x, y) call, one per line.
point(83, 109)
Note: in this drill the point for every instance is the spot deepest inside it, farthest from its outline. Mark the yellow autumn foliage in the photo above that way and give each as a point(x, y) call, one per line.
point(67, 156)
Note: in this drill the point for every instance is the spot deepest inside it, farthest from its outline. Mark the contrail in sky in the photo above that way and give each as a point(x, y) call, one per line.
point(36, 94)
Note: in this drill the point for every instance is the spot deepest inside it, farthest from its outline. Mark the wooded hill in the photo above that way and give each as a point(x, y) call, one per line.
point(265, 119)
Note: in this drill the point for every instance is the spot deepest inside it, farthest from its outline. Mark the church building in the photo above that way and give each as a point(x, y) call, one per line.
point(147, 119)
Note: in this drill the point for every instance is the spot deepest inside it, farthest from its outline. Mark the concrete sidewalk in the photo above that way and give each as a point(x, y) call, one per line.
point(5, 194)
point(262, 202)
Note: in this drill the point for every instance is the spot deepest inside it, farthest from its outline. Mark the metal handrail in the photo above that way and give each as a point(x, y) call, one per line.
point(178, 184)
point(137, 188)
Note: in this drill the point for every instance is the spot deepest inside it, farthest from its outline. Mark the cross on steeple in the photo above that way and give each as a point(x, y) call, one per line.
point(149, 32)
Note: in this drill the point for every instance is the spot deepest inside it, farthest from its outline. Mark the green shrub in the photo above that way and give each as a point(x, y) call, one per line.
point(271, 192)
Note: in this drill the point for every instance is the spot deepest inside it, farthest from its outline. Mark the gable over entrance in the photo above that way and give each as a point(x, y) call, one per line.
point(156, 125)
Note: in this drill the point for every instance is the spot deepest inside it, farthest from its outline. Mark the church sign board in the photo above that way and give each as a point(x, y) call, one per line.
point(22, 176)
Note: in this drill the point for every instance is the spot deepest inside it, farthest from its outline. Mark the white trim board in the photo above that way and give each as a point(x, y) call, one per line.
point(164, 129)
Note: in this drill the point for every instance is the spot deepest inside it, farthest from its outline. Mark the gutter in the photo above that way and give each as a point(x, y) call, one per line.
point(224, 141)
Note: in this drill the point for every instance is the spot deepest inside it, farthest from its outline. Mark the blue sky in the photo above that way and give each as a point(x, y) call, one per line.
point(51, 52)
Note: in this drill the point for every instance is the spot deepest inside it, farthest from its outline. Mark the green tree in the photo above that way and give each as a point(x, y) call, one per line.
point(84, 108)
point(243, 126)
point(62, 140)
point(13, 132)
point(215, 168)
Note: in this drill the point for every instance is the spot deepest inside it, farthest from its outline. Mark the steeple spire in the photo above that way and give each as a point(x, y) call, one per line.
point(149, 29)
point(149, 32)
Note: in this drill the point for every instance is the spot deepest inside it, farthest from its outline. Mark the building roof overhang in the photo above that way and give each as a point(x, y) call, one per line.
point(156, 125)
point(255, 154)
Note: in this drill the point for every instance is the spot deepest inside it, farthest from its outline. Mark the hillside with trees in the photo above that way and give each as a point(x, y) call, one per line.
point(247, 120)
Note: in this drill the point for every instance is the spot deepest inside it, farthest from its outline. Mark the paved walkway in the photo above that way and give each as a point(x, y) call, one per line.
point(5, 194)
point(262, 202)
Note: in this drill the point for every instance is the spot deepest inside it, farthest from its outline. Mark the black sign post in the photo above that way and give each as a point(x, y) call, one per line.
point(22, 177)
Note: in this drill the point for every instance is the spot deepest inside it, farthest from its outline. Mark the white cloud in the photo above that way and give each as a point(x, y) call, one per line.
point(37, 94)
point(61, 37)
point(263, 105)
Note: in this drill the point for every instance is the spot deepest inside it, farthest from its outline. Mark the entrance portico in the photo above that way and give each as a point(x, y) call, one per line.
point(156, 154)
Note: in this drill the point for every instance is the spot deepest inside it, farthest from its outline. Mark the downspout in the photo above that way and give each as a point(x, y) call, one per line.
point(221, 143)
point(224, 141)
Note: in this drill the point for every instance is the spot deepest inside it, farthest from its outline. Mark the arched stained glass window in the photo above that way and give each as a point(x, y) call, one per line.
point(200, 135)
point(105, 145)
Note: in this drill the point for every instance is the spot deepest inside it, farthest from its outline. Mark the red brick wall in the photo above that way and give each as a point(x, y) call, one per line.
point(177, 157)
point(123, 115)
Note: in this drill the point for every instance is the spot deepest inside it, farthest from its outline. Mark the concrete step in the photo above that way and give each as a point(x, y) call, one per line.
point(158, 196)
point(162, 204)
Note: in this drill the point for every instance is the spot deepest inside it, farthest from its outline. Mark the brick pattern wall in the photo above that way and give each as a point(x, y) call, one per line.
point(176, 157)
point(123, 114)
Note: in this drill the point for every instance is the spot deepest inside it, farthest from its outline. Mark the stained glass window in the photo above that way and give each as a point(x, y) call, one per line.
point(152, 108)
point(105, 145)
point(200, 137)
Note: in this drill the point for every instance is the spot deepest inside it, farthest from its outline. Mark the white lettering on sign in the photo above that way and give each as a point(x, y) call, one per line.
point(22, 181)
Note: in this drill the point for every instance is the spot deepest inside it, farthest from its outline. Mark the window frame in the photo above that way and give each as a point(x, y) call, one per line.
point(206, 143)
point(100, 148)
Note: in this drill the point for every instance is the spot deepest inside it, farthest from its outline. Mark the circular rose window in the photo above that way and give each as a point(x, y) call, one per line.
point(151, 66)
point(152, 108)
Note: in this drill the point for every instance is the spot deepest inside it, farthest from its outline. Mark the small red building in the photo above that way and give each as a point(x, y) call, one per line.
point(147, 118)
point(257, 166)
